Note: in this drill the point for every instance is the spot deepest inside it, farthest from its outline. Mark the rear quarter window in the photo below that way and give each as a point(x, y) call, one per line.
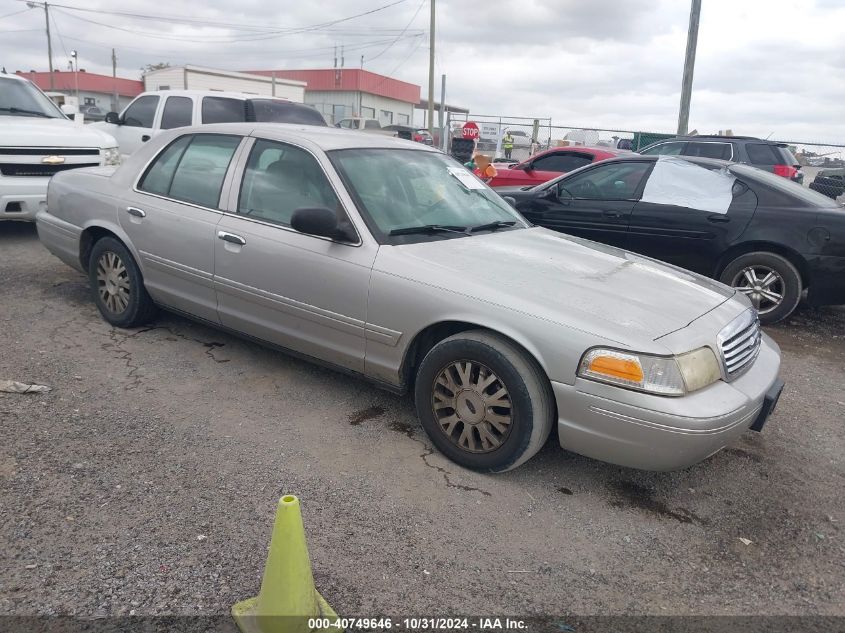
point(763, 154)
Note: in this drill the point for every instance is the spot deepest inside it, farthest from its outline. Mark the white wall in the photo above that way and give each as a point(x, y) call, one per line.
point(192, 78)
point(323, 100)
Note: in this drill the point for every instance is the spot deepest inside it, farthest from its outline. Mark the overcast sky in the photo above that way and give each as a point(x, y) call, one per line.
point(764, 67)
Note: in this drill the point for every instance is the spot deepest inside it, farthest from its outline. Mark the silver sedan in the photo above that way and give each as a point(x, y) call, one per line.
point(388, 260)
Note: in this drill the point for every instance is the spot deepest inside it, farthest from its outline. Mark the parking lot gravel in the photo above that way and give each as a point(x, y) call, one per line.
point(145, 482)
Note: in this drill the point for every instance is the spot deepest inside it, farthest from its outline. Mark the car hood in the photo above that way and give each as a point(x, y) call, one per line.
point(22, 131)
point(565, 279)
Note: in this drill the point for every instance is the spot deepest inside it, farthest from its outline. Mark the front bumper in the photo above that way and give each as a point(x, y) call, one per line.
point(650, 432)
point(21, 198)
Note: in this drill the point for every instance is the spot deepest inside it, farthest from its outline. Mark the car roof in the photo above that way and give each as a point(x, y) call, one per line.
point(13, 76)
point(326, 138)
point(210, 93)
point(718, 137)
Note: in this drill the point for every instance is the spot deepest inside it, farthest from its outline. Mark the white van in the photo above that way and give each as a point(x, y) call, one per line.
point(151, 112)
point(36, 141)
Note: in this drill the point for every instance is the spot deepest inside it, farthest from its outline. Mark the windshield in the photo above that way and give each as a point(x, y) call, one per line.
point(21, 98)
point(400, 189)
point(271, 110)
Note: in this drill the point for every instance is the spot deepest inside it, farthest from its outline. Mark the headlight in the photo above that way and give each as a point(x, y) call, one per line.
point(111, 156)
point(661, 375)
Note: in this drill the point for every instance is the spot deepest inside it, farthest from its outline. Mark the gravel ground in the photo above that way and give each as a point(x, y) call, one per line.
point(146, 482)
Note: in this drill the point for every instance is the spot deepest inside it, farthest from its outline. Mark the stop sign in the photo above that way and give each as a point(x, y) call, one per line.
point(470, 130)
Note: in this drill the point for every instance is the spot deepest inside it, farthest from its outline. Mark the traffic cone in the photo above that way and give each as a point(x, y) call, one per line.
point(288, 599)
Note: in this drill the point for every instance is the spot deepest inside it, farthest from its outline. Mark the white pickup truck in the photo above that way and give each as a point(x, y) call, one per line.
point(36, 141)
point(150, 113)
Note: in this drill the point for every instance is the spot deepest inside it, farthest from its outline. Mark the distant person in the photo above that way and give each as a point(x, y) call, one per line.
point(507, 144)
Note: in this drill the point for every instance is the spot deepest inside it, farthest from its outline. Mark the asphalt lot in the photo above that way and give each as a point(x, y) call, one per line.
point(146, 481)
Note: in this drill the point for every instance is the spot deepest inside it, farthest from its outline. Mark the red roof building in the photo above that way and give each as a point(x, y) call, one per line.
point(94, 89)
point(344, 92)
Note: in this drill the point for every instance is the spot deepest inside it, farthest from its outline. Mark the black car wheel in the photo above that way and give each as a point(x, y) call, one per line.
point(484, 402)
point(117, 285)
point(770, 281)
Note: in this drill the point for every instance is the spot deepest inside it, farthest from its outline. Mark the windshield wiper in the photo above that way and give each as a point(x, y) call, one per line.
point(22, 111)
point(428, 228)
point(492, 226)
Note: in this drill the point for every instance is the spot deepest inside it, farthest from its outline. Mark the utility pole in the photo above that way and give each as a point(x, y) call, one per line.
point(689, 66)
point(431, 73)
point(115, 106)
point(442, 106)
point(46, 7)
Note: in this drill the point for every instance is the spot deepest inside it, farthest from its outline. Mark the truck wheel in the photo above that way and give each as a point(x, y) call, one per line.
point(484, 403)
point(117, 285)
point(770, 281)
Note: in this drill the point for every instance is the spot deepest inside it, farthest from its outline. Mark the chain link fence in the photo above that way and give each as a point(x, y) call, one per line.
point(822, 163)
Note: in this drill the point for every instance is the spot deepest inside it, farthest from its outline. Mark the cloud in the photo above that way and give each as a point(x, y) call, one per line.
point(762, 67)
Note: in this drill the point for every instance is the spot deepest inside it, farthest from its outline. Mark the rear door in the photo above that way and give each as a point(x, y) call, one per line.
point(171, 215)
point(689, 215)
point(595, 203)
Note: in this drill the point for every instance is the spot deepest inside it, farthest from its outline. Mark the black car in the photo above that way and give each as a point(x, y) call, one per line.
point(769, 155)
point(762, 234)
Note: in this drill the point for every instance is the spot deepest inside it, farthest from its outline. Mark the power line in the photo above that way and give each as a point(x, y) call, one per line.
point(398, 37)
point(8, 15)
point(228, 25)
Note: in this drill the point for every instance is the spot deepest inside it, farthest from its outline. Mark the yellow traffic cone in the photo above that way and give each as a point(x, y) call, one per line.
point(288, 601)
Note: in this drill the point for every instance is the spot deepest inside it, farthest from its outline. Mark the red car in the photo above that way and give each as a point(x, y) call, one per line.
point(544, 166)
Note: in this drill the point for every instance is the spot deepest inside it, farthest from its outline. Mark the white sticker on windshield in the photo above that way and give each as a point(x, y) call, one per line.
point(681, 183)
point(466, 178)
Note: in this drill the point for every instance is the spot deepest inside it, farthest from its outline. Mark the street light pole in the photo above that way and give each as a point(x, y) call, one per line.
point(689, 66)
point(75, 62)
point(431, 73)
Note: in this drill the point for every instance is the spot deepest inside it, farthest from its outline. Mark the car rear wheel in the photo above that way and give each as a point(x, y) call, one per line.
point(770, 281)
point(484, 402)
point(117, 285)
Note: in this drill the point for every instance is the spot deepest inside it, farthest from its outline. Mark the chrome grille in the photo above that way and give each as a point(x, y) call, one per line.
point(739, 343)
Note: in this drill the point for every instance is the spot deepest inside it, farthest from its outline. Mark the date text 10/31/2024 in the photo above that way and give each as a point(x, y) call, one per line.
point(419, 624)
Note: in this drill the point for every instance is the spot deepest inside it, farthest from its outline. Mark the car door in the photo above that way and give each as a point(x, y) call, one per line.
point(595, 203)
point(136, 124)
point(690, 215)
point(171, 215)
point(302, 292)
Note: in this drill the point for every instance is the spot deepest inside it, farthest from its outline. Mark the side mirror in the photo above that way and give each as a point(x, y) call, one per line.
point(68, 110)
point(510, 200)
point(319, 221)
point(112, 117)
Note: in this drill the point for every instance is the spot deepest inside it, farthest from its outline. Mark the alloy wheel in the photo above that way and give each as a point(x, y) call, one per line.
point(472, 406)
point(113, 282)
point(762, 285)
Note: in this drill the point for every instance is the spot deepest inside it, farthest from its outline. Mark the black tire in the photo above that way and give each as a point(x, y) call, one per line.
point(139, 307)
point(528, 391)
point(789, 286)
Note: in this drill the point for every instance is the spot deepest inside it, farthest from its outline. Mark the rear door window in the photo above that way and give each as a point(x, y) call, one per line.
point(192, 169)
point(665, 149)
point(709, 150)
point(142, 112)
point(223, 110)
point(178, 112)
point(763, 154)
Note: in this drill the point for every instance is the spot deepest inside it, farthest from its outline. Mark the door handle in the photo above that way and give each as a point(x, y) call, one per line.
point(145, 138)
point(231, 238)
point(138, 213)
point(718, 218)
point(611, 214)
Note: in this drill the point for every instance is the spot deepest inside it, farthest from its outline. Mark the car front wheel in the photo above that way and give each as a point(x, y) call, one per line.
point(483, 401)
point(770, 281)
point(117, 285)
